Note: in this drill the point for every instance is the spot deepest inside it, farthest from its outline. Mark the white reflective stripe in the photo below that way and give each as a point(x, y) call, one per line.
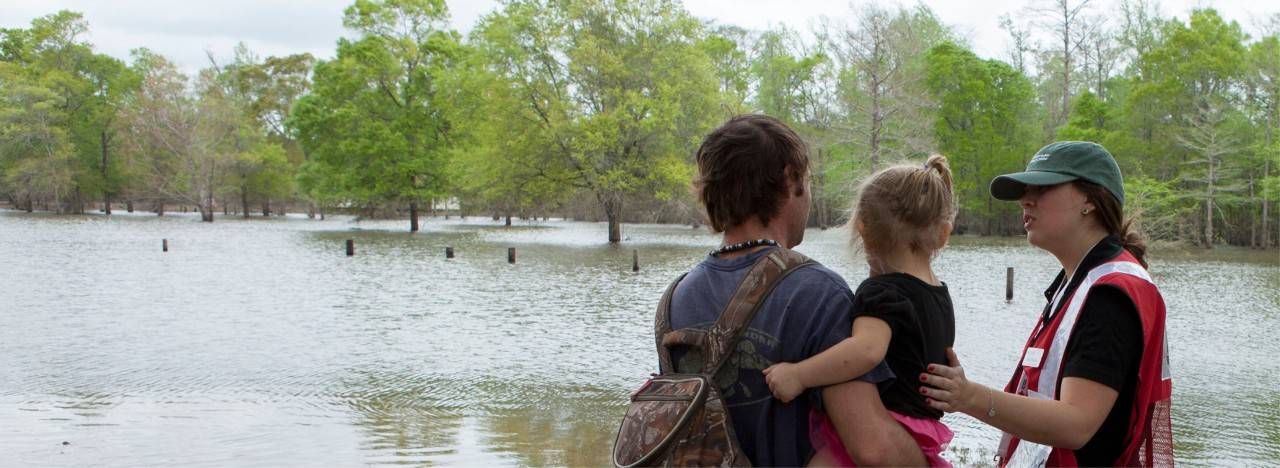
point(1164, 366)
point(1047, 384)
point(1030, 454)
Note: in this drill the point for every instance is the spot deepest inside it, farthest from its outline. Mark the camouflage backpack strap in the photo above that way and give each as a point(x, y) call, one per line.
point(722, 339)
point(662, 326)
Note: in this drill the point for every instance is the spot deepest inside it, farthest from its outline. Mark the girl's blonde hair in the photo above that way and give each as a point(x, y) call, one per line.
point(904, 205)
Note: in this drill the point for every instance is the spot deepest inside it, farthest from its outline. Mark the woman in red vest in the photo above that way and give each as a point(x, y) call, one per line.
point(1093, 386)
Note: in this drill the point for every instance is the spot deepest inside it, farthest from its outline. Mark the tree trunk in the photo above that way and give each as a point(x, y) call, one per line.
point(1208, 210)
point(311, 210)
point(106, 192)
point(413, 216)
point(206, 208)
point(266, 207)
point(160, 208)
point(1266, 228)
point(874, 138)
point(1266, 171)
point(128, 205)
point(613, 212)
point(244, 201)
point(508, 219)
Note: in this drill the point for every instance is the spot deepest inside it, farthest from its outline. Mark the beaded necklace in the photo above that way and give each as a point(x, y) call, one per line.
point(743, 246)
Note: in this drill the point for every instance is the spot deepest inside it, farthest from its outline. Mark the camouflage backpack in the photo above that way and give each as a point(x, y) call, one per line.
point(681, 419)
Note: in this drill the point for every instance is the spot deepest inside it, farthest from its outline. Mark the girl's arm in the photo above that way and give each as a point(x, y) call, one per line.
point(1068, 422)
point(842, 362)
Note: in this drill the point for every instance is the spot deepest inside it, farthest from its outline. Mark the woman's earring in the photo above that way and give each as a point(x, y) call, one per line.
point(1084, 212)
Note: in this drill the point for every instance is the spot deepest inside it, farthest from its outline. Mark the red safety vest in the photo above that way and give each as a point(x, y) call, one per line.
point(1149, 441)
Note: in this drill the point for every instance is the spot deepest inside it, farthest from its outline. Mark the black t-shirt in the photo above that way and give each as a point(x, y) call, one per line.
point(1105, 347)
point(923, 325)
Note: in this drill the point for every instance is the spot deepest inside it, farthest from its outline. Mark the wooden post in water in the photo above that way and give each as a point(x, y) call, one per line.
point(164, 245)
point(1008, 284)
point(448, 252)
point(511, 254)
point(635, 260)
point(351, 247)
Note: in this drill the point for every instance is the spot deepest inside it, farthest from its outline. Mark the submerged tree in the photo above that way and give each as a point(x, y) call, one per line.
point(182, 138)
point(620, 88)
point(375, 126)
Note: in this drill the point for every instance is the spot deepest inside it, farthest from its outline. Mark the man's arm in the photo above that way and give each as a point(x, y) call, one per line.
point(845, 361)
point(870, 435)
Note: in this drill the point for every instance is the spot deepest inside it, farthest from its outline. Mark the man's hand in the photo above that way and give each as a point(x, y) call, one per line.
point(784, 381)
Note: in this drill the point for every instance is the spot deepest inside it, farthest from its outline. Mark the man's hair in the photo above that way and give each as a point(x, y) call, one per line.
point(743, 169)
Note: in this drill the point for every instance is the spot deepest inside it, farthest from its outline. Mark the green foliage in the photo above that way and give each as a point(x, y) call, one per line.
point(1160, 205)
point(376, 125)
point(550, 100)
point(985, 126)
point(615, 89)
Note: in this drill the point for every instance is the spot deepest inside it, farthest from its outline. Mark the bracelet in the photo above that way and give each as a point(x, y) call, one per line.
point(991, 409)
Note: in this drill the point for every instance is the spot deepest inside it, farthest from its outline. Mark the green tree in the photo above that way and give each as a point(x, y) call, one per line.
point(621, 88)
point(36, 155)
point(503, 161)
point(263, 92)
point(1193, 77)
point(1264, 84)
point(375, 126)
point(887, 106)
point(41, 64)
point(182, 139)
point(985, 125)
point(728, 49)
point(96, 126)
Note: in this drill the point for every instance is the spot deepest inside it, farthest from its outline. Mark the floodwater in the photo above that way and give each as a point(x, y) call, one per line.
point(260, 343)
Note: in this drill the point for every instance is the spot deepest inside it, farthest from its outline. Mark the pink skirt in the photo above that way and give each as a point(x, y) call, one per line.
point(930, 434)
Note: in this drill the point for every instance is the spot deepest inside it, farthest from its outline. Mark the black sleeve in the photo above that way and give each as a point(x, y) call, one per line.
point(885, 302)
point(1106, 345)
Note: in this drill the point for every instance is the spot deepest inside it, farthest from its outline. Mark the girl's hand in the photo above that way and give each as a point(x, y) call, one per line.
point(947, 388)
point(784, 381)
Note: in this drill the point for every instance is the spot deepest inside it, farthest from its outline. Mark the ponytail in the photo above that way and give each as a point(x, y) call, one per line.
point(938, 163)
point(1133, 241)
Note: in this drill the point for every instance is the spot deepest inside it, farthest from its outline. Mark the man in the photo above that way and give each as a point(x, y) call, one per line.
point(753, 181)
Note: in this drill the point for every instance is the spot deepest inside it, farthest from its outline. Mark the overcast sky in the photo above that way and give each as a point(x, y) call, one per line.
point(183, 29)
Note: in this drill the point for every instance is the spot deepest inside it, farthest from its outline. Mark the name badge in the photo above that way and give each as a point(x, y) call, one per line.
point(1032, 357)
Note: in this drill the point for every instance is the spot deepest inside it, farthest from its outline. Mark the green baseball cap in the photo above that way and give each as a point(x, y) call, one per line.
point(1063, 161)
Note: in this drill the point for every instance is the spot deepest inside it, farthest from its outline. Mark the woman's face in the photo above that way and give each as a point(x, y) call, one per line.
point(1051, 214)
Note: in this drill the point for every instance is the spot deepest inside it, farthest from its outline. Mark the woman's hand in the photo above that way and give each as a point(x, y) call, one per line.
point(947, 388)
point(784, 381)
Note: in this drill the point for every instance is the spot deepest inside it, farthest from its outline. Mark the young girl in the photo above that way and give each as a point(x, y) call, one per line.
point(902, 313)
